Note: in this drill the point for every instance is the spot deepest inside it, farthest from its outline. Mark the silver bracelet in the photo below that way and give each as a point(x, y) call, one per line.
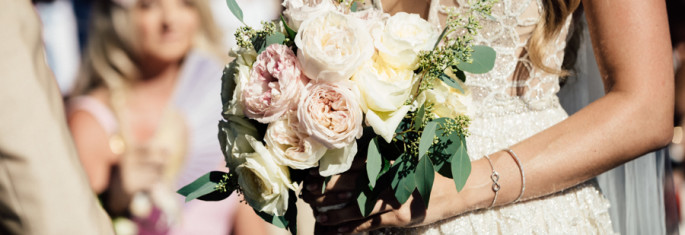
point(495, 183)
point(523, 176)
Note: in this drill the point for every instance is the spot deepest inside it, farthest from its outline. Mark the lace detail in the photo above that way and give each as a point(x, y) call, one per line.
point(514, 84)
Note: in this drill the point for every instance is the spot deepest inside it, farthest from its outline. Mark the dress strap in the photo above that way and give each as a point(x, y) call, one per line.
point(99, 110)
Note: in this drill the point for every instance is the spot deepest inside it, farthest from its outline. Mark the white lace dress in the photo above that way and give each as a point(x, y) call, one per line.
point(508, 110)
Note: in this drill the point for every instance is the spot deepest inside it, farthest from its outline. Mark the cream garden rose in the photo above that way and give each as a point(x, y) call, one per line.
point(238, 71)
point(332, 46)
point(403, 36)
point(275, 84)
point(296, 11)
point(233, 139)
point(265, 184)
point(448, 102)
point(331, 115)
point(384, 91)
point(290, 147)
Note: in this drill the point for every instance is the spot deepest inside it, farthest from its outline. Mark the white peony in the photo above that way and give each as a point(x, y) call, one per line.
point(290, 147)
point(332, 46)
point(296, 11)
point(384, 91)
point(447, 101)
point(402, 38)
point(240, 68)
point(265, 184)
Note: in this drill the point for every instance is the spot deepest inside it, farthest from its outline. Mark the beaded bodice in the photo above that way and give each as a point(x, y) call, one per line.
point(514, 85)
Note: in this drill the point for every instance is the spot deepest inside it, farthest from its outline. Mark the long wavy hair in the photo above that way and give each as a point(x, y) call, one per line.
point(553, 19)
point(112, 52)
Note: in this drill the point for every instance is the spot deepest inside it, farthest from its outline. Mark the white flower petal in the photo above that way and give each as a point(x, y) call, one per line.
point(337, 161)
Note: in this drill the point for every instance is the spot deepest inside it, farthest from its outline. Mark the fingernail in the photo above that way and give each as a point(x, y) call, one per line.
point(311, 187)
point(321, 218)
point(343, 229)
point(345, 195)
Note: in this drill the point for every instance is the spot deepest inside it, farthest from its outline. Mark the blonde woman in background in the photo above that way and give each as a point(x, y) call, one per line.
point(144, 116)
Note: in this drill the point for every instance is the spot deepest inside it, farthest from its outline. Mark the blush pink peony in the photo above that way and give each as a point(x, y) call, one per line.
point(330, 113)
point(275, 84)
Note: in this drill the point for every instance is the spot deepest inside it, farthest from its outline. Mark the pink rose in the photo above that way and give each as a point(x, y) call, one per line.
point(274, 86)
point(330, 113)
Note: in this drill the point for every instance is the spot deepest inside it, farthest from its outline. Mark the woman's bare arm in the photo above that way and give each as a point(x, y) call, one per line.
point(631, 42)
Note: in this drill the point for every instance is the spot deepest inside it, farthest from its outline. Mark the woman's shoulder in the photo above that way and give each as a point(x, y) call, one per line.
point(92, 111)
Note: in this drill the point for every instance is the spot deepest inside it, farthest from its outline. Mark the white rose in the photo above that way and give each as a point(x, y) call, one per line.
point(239, 71)
point(332, 46)
point(384, 91)
point(296, 11)
point(233, 140)
point(290, 147)
point(447, 101)
point(403, 37)
point(265, 184)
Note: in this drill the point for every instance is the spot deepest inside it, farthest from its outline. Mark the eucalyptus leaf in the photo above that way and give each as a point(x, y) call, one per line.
point(259, 43)
point(461, 166)
point(483, 60)
point(425, 175)
point(408, 184)
point(366, 200)
point(450, 82)
point(354, 7)
point(427, 138)
point(418, 120)
point(204, 186)
point(374, 162)
point(460, 74)
point(274, 38)
point(235, 9)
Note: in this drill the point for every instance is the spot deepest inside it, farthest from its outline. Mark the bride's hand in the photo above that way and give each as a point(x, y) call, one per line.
point(336, 209)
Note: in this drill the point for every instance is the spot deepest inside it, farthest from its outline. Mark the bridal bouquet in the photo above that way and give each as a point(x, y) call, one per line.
point(332, 82)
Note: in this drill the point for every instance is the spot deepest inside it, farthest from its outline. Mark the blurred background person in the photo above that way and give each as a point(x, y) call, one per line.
point(144, 116)
point(43, 189)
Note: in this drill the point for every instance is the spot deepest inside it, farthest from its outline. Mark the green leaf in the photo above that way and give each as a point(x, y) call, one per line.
point(425, 175)
point(440, 37)
point(418, 120)
point(461, 166)
point(290, 31)
point(259, 43)
point(450, 82)
point(228, 85)
point(205, 186)
point(274, 38)
point(366, 200)
point(483, 60)
point(460, 74)
point(235, 9)
point(325, 182)
point(403, 182)
point(408, 184)
point(374, 162)
point(427, 138)
point(354, 6)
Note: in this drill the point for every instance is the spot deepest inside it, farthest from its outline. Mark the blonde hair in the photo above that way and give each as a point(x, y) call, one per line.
point(112, 52)
point(553, 20)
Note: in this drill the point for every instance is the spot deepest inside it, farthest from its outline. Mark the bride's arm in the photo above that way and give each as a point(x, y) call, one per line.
point(631, 44)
